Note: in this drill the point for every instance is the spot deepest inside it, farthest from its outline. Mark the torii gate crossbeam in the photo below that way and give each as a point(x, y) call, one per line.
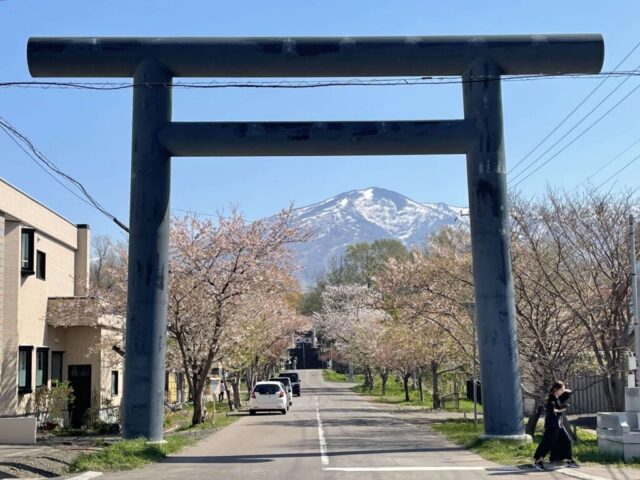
point(153, 62)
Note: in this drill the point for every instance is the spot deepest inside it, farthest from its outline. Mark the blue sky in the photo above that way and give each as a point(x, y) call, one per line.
point(88, 133)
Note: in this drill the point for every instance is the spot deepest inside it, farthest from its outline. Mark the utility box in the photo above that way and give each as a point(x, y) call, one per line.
point(18, 431)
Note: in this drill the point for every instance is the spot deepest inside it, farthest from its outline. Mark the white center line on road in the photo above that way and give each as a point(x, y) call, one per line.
point(323, 443)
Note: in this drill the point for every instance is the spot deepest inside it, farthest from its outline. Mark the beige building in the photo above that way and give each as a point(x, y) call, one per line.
point(47, 333)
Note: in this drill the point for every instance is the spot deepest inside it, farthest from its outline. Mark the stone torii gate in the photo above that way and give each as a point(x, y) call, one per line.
point(154, 62)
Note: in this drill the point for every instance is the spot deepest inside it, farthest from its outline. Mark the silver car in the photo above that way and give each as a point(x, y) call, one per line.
point(286, 383)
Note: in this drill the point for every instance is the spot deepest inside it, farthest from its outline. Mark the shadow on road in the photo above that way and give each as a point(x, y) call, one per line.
point(270, 457)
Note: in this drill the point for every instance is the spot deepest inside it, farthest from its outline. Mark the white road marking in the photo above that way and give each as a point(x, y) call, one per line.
point(423, 469)
point(24, 452)
point(323, 443)
point(571, 472)
point(566, 471)
point(86, 475)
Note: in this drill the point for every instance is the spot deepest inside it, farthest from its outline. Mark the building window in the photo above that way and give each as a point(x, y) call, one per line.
point(56, 367)
point(42, 367)
point(26, 251)
point(41, 265)
point(24, 369)
point(114, 382)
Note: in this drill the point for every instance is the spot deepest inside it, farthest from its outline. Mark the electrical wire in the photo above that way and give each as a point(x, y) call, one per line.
point(194, 212)
point(297, 84)
point(577, 137)
point(586, 180)
point(624, 167)
point(570, 114)
point(44, 162)
point(35, 160)
point(566, 134)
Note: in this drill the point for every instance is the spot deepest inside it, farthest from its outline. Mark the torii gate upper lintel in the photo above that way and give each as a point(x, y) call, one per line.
point(480, 60)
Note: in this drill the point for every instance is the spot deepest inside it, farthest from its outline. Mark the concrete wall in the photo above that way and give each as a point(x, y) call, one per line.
point(81, 349)
point(18, 205)
point(9, 346)
point(110, 361)
point(24, 298)
point(82, 261)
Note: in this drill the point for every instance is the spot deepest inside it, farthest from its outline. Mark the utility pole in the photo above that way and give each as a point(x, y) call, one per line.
point(471, 308)
point(634, 291)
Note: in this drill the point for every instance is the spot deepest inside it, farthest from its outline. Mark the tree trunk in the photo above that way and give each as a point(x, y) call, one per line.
point(199, 408)
point(530, 429)
point(434, 382)
point(420, 389)
point(614, 391)
point(368, 379)
point(405, 384)
point(236, 391)
point(228, 393)
point(384, 376)
point(249, 379)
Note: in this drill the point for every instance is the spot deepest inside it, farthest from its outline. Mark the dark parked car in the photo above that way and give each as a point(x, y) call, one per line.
point(295, 381)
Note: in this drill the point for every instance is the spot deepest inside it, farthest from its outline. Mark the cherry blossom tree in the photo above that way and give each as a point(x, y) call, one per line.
point(213, 267)
point(351, 319)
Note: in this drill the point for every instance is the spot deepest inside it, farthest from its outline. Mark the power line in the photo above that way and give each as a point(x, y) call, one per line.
point(298, 84)
point(194, 212)
point(566, 134)
point(44, 162)
point(35, 160)
point(570, 114)
point(578, 136)
point(586, 180)
point(634, 159)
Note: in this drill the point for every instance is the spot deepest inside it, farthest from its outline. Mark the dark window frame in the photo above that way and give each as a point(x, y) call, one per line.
point(45, 366)
point(27, 269)
point(41, 265)
point(28, 383)
point(56, 379)
point(115, 375)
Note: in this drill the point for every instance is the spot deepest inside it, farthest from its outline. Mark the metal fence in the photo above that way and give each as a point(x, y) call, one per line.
point(588, 394)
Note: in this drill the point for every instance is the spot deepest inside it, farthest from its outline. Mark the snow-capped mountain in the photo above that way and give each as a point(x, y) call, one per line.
point(364, 216)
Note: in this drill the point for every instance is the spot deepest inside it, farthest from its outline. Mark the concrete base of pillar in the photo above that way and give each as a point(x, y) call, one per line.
point(514, 438)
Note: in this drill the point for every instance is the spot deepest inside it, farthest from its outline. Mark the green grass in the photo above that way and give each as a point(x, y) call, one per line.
point(181, 420)
point(130, 454)
point(505, 452)
point(395, 393)
point(331, 376)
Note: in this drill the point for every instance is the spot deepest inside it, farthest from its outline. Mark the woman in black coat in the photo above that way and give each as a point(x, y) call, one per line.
point(555, 441)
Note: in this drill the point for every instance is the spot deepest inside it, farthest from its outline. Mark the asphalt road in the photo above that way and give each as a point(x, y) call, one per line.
point(329, 433)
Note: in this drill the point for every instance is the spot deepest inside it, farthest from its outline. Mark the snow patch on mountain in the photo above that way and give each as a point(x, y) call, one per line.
point(365, 216)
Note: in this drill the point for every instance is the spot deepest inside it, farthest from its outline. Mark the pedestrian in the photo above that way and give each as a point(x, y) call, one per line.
point(555, 440)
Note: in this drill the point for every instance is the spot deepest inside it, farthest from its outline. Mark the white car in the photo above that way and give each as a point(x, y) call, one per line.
point(268, 396)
